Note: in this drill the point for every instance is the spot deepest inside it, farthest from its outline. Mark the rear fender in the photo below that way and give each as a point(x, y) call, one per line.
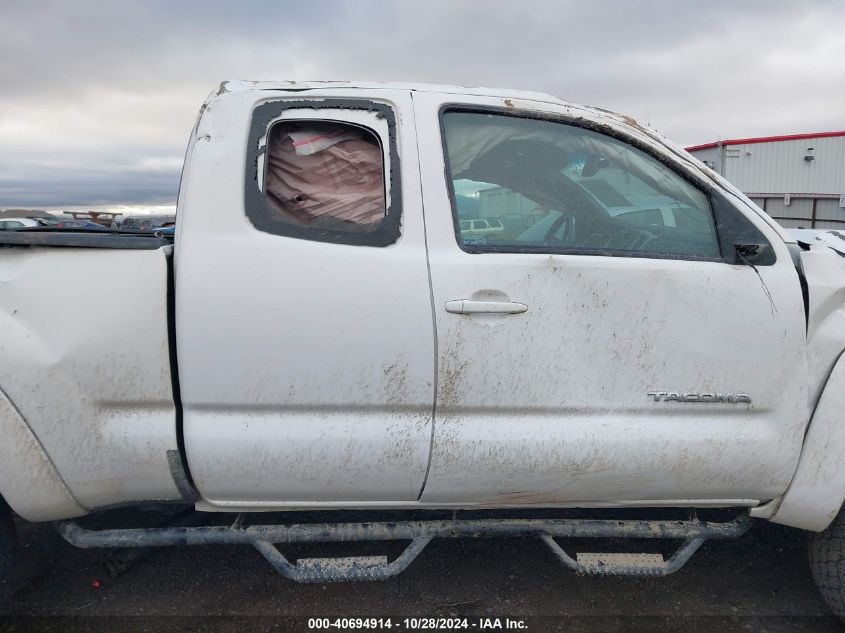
point(29, 482)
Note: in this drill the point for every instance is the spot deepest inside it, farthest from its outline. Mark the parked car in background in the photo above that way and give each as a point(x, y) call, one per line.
point(63, 223)
point(144, 222)
point(51, 222)
point(18, 223)
point(489, 227)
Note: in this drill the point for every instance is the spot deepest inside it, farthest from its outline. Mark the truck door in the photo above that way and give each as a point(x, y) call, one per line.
point(608, 346)
point(304, 323)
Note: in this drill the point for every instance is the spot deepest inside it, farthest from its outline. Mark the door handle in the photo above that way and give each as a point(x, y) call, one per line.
point(465, 306)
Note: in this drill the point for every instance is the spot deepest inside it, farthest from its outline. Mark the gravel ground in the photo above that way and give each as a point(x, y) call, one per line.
point(760, 582)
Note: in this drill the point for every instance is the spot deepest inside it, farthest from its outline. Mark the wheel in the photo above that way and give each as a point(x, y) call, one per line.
point(827, 561)
point(8, 543)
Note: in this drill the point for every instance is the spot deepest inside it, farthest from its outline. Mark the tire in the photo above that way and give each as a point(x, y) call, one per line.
point(8, 544)
point(827, 561)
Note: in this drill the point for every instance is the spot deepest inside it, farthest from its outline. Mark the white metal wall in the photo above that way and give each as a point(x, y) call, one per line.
point(776, 175)
point(779, 167)
point(709, 156)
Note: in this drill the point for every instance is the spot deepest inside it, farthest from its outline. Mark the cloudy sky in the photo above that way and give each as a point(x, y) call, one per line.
point(97, 98)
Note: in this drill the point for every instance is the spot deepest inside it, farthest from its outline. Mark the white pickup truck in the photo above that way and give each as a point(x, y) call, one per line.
point(641, 353)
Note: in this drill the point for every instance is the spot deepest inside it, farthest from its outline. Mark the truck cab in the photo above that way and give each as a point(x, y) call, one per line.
point(534, 390)
point(426, 298)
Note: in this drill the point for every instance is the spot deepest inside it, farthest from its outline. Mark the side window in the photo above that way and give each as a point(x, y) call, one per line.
point(543, 186)
point(323, 173)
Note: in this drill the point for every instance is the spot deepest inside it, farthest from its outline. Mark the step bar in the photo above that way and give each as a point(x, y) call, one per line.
point(266, 538)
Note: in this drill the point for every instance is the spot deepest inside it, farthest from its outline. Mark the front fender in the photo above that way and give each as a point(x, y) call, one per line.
point(817, 491)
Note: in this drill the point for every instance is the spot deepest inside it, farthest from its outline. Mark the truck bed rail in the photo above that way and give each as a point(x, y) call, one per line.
point(76, 238)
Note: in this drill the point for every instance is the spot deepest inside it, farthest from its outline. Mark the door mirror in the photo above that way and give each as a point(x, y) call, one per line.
point(748, 253)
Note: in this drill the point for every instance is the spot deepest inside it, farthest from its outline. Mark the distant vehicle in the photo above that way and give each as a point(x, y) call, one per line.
point(18, 223)
point(146, 222)
point(62, 223)
point(481, 228)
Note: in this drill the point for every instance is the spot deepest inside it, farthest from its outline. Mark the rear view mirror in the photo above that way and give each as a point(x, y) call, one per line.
point(592, 165)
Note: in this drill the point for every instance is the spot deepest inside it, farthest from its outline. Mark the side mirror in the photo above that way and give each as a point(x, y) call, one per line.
point(748, 250)
point(747, 253)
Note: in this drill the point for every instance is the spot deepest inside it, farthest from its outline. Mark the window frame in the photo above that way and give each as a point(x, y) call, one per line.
point(719, 206)
point(265, 217)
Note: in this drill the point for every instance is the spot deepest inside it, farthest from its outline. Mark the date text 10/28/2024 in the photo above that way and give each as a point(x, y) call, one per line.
point(417, 624)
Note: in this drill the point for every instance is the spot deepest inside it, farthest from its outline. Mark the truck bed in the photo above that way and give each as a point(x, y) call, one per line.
point(87, 366)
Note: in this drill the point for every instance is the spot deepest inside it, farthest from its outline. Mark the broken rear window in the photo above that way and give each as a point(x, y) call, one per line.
point(320, 170)
point(325, 170)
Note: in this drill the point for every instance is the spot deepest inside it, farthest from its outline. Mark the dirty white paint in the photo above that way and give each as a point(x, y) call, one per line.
point(307, 368)
point(551, 405)
point(825, 273)
point(817, 492)
point(548, 407)
point(310, 371)
point(83, 338)
point(30, 483)
point(818, 237)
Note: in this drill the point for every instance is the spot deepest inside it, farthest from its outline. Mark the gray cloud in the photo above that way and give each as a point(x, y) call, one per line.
point(98, 98)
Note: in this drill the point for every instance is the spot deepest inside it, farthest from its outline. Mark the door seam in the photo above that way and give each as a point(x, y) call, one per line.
point(431, 302)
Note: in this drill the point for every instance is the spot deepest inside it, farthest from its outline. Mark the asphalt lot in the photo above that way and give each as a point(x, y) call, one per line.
point(760, 582)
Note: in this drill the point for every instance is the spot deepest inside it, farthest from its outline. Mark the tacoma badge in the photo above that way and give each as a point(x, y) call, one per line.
point(688, 396)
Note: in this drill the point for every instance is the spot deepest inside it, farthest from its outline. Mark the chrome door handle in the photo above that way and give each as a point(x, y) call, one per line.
point(465, 306)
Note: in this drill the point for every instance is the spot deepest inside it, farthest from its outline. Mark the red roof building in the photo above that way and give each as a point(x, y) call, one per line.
point(798, 179)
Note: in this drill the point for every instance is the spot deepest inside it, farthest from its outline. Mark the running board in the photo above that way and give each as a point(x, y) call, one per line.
point(265, 539)
point(341, 569)
point(625, 564)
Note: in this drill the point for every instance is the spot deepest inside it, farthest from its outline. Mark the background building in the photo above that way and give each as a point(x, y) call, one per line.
point(799, 179)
